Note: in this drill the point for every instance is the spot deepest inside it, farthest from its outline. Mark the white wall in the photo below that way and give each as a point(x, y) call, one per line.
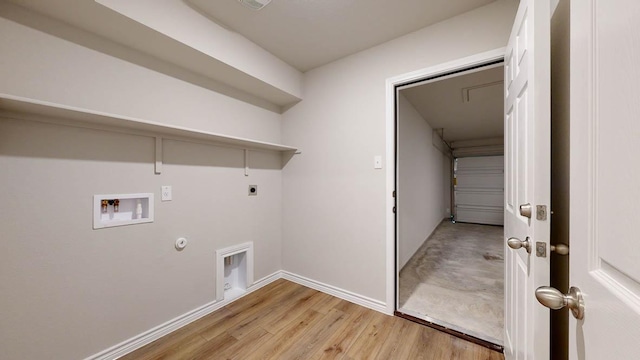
point(177, 20)
point(41, 66)
point(420, 181)
point(69, 291)
point(334, 201)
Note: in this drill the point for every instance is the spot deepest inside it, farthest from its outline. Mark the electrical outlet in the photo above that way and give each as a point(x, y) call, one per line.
point(166, 193)
point(377, 162)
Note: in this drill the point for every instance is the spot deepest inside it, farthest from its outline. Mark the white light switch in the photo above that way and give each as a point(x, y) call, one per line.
point(377, 162)
point(166, 193)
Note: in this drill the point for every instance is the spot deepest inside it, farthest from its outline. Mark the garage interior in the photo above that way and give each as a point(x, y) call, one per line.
point(450, 202)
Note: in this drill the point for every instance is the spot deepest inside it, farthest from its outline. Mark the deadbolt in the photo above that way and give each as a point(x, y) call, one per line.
point(525, 210)
point(554, 299)
point(516, 244)
point(541, 249)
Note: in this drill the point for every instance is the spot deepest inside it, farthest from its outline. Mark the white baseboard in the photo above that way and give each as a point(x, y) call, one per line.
point(367, 302)
point(159, 331)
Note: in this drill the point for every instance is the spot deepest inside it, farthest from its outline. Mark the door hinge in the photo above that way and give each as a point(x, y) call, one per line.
point(394, 209)
point(394, 193)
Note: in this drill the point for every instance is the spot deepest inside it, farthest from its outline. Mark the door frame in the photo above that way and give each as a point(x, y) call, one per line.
point(390, 156)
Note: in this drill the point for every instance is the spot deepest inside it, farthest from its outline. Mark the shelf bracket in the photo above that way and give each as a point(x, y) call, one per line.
point(158, 165)
point(246, 162)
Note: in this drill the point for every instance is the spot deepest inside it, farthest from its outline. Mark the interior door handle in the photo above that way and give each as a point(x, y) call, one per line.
point(554, 299)
point(560, 249)
point(516, 244)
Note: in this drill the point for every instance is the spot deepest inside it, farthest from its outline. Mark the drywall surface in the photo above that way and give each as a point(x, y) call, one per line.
point(44, 67)
point(334, 211)
point(420, 181)
point(70, 291)
point(177, 20)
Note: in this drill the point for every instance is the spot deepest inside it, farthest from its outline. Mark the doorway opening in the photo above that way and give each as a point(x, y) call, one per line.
point(449, 156)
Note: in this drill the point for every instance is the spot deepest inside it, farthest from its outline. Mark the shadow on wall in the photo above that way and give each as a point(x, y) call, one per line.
point(106, 146)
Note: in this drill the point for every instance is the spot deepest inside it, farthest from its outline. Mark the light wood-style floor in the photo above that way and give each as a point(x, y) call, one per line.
point(284, 320)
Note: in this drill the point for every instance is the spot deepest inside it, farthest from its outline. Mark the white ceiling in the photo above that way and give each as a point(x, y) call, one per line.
point(309, 33)
point(467, 107)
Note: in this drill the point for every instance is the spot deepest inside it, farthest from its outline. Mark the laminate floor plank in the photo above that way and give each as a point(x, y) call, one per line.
point(190, 345)
point(284, 320)
point(157, 348)
point(291, 312)
point(212, 348)
point(431, 345)
point(275, 313)
point(337, 345)
point(347, 307)
point(328, 303)
point(288, 337)
point(242, 349)
point(316, 336)
point(241, 313)
point(370, 341)
point(398, 343)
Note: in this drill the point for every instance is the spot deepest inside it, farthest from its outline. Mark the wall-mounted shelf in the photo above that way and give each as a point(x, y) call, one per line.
point(30, 109)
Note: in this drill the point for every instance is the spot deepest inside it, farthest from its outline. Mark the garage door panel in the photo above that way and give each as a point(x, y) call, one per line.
point(481, 162)
point(482, 181)
point(481, 198)
point(480, 215)
point(479, 190)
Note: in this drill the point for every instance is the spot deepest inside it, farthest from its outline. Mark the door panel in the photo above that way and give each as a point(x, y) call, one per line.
point(479, 190)
point(527, 178)
point(604, 195)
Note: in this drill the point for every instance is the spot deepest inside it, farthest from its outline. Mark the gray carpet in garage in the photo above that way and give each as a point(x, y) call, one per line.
point(457, 277)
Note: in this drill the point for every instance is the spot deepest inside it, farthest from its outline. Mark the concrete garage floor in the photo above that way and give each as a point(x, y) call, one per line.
point(456, 279)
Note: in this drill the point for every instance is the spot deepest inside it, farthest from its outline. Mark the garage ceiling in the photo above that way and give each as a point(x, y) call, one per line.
point(467, 107)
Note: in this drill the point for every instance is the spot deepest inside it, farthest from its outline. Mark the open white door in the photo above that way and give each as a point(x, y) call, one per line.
point(605, 178)
point(527, 181)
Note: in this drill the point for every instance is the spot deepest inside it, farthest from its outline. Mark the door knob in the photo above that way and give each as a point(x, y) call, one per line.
point(516, 244)
point(560, 249)
point(525, 210)
point(554, 299)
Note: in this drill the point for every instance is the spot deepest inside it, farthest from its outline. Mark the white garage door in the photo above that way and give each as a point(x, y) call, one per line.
point(479, 190)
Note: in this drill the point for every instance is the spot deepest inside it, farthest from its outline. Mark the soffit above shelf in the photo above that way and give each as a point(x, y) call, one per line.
point(223, 62)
